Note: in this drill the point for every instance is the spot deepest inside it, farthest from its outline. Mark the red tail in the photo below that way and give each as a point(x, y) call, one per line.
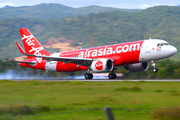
point(31, 44)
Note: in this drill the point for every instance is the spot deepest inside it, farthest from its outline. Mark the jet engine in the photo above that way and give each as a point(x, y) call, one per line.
point(103, 65)
point(137, 67)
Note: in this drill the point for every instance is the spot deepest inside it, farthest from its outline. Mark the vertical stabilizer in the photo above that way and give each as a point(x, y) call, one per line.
point(31, 44)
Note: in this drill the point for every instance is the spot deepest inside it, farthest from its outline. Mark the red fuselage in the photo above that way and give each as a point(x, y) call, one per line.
point(121, 54)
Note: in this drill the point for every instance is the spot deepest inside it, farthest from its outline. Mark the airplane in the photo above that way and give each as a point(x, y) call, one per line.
point(135, 56)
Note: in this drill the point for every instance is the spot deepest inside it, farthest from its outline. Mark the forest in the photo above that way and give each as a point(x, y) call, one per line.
point(110, 27)
point(160, 22)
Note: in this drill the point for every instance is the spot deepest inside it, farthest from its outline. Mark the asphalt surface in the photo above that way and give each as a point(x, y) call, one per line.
point(101, 80)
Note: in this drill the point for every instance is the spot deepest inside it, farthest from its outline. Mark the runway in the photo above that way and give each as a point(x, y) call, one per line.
point(101, 80)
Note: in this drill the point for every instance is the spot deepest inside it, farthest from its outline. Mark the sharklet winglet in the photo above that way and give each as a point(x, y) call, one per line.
point(20, 48)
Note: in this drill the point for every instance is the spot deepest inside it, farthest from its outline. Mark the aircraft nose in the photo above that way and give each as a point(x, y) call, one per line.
point(173, 50)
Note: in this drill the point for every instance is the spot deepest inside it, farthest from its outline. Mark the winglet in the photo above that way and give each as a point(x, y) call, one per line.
point(20, 48)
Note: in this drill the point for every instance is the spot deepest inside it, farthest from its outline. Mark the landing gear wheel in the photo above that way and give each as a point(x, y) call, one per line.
point(88, 75)
point(155, 70)
point(112, 76)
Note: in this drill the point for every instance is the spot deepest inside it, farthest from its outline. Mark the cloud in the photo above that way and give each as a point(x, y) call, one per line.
point(144, 6)
point(130, 4)
point(8, 3)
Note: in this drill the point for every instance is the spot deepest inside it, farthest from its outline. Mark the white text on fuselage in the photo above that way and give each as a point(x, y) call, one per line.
point(109, 50)
point(36, 50)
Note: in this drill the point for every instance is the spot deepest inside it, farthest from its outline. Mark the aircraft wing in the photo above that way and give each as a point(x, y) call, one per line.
point(80, 61)
point(31, 63)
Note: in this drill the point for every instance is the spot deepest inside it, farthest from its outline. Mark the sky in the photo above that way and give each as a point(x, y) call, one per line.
point(130, 4)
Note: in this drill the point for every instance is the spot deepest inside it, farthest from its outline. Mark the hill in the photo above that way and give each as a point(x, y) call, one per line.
point(45, 11)
point(115, 27)
point(108, 28)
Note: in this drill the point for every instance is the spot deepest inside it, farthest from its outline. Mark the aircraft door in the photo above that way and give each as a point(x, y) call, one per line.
point(148, 46)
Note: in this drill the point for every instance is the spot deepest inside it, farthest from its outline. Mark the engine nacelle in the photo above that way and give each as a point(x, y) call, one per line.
point(137, 67)
point(103, 65)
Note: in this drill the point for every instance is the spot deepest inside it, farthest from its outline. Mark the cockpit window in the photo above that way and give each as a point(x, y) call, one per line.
point(161, 44)
point(166, 43)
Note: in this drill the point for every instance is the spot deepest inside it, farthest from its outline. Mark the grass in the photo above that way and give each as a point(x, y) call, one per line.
point(47, 100)
point(171, 114)
point(133, 89)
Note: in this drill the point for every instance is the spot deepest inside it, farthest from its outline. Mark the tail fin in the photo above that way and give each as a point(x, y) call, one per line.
point(31, 44)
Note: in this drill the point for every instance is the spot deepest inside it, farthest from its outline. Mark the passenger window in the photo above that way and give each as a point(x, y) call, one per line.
point(162, 44)
point(158, 44)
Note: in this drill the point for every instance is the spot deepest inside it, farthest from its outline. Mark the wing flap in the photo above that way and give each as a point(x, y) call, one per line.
point(31, 63)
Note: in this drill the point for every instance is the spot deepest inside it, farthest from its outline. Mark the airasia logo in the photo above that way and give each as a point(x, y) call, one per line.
point(30, 42)
point(99, 65)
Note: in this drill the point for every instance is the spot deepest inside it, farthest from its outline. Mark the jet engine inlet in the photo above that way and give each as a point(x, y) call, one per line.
point(103, 65)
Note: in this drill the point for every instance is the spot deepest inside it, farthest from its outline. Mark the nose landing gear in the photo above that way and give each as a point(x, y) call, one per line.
point(154, 65)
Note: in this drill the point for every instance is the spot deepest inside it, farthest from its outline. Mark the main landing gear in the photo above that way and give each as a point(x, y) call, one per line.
point(112, 76)
point(88, 75)
point(154, 65)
